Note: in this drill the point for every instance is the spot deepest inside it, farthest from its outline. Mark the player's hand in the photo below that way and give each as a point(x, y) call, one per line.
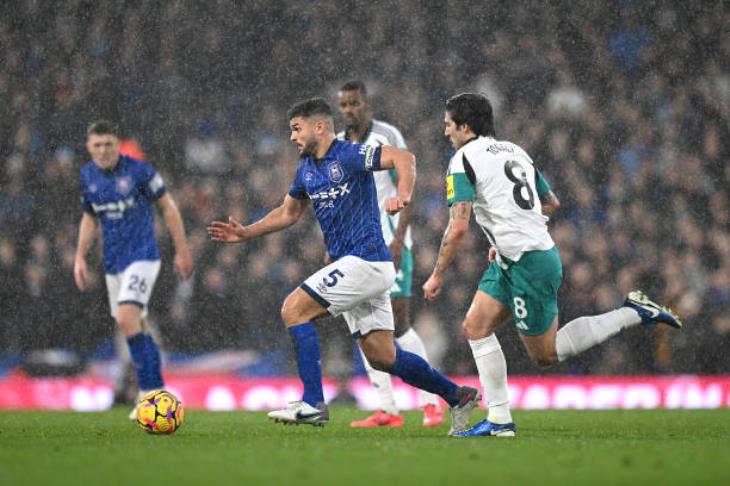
point(396, 249)
point(81, 274)
point(492, 254)
point(183, 263)
point(395, 204)
point(230, 232)
point(432, 287)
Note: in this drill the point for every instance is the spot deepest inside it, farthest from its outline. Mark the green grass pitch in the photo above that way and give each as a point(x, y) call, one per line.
point(552, 447)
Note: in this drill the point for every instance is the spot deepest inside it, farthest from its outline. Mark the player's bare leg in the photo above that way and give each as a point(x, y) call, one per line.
point(129, 319)
point(298, 312)
point(486, 314)
point(542, 348)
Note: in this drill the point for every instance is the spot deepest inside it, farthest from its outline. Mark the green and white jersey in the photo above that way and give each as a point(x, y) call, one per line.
point(381, 133)
point(499, 178)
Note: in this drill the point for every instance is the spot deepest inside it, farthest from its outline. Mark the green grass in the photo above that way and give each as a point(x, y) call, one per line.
point(555, 447)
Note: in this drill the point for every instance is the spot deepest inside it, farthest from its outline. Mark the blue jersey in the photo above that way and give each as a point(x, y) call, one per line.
point(122, 200)
point(342, 190)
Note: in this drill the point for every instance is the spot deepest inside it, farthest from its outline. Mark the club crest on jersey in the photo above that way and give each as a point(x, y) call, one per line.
point(335, 171)
point(124, 184)
point(308, 176)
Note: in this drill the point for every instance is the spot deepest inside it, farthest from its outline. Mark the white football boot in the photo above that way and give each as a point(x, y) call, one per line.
point(460, 414)
point(301, 412)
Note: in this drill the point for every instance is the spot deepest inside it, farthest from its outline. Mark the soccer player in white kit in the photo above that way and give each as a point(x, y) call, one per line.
point(498, 181)
point(356, 109)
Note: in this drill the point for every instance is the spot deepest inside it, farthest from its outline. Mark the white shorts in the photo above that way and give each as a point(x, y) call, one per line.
point(357, 289)
point(132, 286)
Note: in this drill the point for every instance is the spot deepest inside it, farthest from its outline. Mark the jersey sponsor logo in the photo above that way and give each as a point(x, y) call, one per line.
point(114, 210)
point(332, 192)
point(450, 187)
point(335, 171)
point(124, 184)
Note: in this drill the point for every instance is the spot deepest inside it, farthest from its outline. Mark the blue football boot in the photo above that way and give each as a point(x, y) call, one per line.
point(650, 312)
point(485, 428)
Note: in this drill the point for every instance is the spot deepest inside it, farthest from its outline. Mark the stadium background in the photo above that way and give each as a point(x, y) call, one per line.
point(625, 107)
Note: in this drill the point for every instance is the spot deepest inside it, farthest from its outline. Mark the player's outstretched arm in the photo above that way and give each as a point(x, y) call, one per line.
point(282, 217)
point(404, 164)
point(171, 214)
point(550, 203)
point(87, 232)
point(455, 231)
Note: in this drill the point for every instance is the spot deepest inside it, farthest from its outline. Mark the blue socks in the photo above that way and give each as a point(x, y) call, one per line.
point(415, 371)
point(153, 357)
point(306, 344)
point(409, 367)
point(146, 359)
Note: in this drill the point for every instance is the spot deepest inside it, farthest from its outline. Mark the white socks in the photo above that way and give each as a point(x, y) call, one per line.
point(585, 332)
point(411, 342)
point(382, 384)
point(492, 368)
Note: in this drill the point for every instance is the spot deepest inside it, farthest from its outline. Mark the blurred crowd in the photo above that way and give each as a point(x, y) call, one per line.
point(624, 106)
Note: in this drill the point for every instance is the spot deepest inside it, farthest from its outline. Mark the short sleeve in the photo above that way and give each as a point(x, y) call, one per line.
point(358, 157)
point(542, 185)
point(458, 185)
point(297, 189)
point(153, 187)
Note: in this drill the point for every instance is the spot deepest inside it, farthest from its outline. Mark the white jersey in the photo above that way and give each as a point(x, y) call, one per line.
point(381, 133)
point(500, 179)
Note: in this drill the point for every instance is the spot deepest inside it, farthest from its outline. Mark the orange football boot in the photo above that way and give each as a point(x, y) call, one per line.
point(433, 415)
point(380, 419)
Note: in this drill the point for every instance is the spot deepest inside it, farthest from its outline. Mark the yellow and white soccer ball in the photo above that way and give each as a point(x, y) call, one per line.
point(160, 412)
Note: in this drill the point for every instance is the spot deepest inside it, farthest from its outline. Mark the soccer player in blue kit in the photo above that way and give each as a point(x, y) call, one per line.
point(336, 176)
point(118, 192)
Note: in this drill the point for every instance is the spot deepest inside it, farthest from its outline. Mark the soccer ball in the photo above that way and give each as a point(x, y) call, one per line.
point(160, 412)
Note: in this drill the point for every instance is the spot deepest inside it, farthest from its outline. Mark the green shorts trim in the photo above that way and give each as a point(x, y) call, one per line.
point(403, 286)
point(529, 287)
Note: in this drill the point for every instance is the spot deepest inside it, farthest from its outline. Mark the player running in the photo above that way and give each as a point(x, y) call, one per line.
point(356, 110)
point(497, 180)
point(336, 176)
point(118, 191)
